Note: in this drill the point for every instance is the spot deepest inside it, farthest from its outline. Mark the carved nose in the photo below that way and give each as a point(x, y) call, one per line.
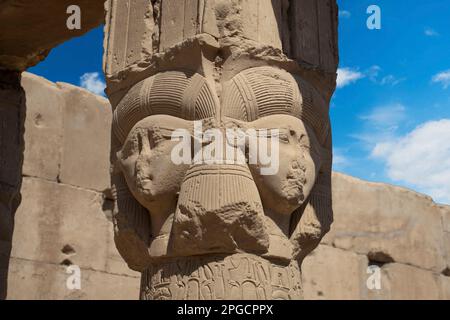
point(219, 211)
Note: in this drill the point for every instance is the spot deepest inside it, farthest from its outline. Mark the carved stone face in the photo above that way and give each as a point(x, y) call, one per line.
point(299, 162)
point(209, 208)
point(145, 160)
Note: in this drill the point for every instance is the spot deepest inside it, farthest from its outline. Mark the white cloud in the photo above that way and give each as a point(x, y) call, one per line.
point(381, 124)
point(374, 73)
point(385, 117)
point(347, 76)
point(443, 78)
point(340, 161)
point(92, 82)
point(344, 14)
point(391, 80)
point(420, 159)
point(429, 32)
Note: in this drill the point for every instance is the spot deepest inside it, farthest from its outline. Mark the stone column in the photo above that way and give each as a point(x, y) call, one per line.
point(12, 117)
point(220, 229)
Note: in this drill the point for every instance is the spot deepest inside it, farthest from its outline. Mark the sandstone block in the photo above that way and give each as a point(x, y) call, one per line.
point(446, 224)
point(61, 224)
point(445, 285)
point(43, 127)
point(29, 280)
point(446, 217)
point(331, 273)
point(447, 253)
point(387, 223)
point(402, 282)
point(86, 147)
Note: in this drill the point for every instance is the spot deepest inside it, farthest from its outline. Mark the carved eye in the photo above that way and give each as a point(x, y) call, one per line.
point(152, 139)
point(140, 143)
point(284, 138)
point(304, 141)
point(147, 140)
point(127, 150)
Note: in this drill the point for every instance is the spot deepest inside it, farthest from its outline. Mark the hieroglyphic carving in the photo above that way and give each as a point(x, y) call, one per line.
point(229, 64)
point(236, 277)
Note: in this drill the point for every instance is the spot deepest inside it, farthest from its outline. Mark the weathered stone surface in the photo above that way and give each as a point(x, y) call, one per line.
point(300, 37)
point(62, 223)
point(445, 285)
point(30, 280)
point(221, 277)
point(446, 224)
point(29, 29)
point(446, 239)
point(402, 282)
point(387, 223)
point(12, 118)
point(230, 65)
point(331, 273)
point(43, 127)
point(446, 217)
point(86, 117)
point(53, 216)
point(384, 223)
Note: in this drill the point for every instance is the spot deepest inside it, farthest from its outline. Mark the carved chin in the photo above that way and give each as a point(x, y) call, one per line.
point(145, 186)
point(294, 194)
point(294, 188)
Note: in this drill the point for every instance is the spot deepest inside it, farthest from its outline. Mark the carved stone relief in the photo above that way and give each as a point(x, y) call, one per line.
point(221, 229)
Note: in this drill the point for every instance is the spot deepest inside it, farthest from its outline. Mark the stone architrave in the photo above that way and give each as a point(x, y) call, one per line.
point(220, 229)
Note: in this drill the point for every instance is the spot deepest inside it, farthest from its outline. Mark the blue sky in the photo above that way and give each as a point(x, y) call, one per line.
point(391, 111)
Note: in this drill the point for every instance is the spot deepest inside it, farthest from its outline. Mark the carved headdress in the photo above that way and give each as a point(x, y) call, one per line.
point(157, 69)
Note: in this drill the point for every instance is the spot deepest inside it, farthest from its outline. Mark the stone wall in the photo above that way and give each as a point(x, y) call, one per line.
point(42, 27)
point(401, 231)
point(64, 218)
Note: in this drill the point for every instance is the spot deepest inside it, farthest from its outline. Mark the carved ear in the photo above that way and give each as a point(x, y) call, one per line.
point(132, 224)
point(313, 221)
